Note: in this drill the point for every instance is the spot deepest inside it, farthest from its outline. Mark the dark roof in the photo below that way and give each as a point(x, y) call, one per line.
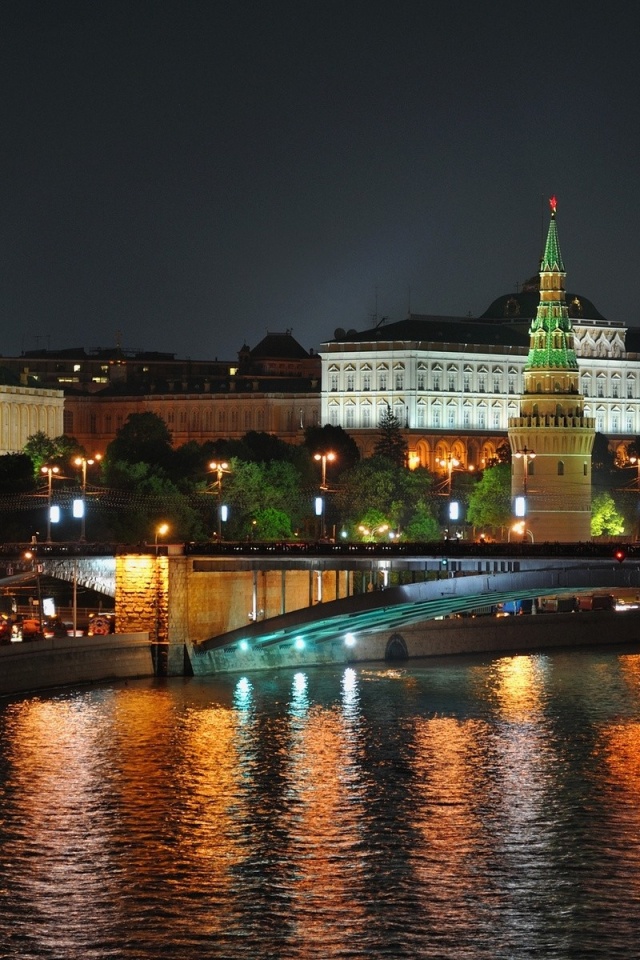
point(10, 379)
point(524, 305)
point(279, 346)
point(632, 340)
point(419, 327)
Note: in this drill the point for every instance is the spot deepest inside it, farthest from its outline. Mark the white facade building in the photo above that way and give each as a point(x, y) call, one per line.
point(26, 410)
point(454, 382)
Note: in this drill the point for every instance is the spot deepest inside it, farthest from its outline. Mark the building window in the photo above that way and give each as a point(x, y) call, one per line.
point(482, 418)
point(496, 384)
point(350, 381)
point(92, 423)
point(399, 381)
point(496, 419)
point(436, 381)
point(482, 383)
point(451, 417)
point(630, 390)
point(629, 423)
point(615, 423)
point(366, 381)
point(333, 416)
point(436, 416)
point(600, 423)
point(350, 416)
point(421, 415)
point(600, 388)
point(67, 422)
point(512, 384)
point(366, 417)
point(560, 468)
point(615, 389)
point(467, 383)
point(382, 380)
point(247, 419)
point(334, 381)
point(465, 417)
point(420, 380)
point(585, 470)
point(452, 382)
point(260, 419)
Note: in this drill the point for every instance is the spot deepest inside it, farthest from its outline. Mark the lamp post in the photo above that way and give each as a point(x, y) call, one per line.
point(49, 472)
point(161, 531)
point(323, 458)
point(449, 463)
point(635, 461)
point(83, 462)
point(31, 555)
point(526, 455)
point(220, 468)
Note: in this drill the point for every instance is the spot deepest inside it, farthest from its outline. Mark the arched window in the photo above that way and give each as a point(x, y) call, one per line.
point(560, 468)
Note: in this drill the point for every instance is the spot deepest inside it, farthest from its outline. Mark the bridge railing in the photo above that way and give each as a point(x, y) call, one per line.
point(322, 548)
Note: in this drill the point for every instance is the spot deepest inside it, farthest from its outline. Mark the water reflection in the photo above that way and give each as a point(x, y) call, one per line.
point(454, 809)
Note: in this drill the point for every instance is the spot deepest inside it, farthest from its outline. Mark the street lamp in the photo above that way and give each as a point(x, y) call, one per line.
point(323, 457)
point(161, 531)
point(84, 463)
point(635, 461)
point(449, 464)
point(525, 454)
point(31, 555)
point(220, 467)
point(49, 472)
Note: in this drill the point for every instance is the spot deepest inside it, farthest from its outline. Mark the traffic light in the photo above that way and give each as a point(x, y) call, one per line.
point(620, 555)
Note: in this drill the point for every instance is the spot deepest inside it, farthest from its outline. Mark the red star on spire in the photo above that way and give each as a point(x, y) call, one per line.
point(553, 203)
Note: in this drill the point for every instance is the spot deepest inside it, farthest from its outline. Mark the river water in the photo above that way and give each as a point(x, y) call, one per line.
point(453, 808)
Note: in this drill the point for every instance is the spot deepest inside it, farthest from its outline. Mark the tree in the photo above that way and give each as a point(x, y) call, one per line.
point(43, 449)
point(423, 526)
point(334, 439)
point(391, 444)
point(379, 484)
point(272, 524)
point(602, 459)
point(606, 520)
point(490, 500)
point(144, 438)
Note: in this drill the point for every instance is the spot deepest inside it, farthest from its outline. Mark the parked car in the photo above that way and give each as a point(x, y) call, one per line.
point(27, 628)
point(102, 624)
point(6, 624)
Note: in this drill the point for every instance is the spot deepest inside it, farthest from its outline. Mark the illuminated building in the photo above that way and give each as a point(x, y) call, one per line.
point(26, 409)
point(454, 383)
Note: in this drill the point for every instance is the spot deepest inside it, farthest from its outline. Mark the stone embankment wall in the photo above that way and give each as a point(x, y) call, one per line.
point(61, 661)
point(432, 638)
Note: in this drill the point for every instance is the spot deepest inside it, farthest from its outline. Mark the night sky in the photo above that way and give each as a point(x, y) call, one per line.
point(186, 176)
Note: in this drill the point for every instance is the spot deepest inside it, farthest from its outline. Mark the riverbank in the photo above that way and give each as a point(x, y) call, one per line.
point(432, 638)
point(66, 661)
point(63, 661)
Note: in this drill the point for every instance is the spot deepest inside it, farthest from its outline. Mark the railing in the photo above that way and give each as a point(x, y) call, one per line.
point(437, 548)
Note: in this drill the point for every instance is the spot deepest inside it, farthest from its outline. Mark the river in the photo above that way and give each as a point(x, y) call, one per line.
point(457, 808)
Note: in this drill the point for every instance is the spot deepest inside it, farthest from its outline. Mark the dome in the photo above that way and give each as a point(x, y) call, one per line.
point(524, 305)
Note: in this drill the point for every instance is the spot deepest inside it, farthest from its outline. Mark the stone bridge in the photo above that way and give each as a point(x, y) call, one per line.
point(223, 607)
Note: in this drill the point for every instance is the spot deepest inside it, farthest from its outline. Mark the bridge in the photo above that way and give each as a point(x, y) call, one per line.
point(224, 600)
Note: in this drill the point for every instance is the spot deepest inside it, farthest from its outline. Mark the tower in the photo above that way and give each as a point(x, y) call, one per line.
point(551, 439)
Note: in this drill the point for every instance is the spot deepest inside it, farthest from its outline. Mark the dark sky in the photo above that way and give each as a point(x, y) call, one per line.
point(184, 176)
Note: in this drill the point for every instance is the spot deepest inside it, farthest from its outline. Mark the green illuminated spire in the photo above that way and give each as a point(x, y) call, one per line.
point(551, 333)
point(552, 258)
